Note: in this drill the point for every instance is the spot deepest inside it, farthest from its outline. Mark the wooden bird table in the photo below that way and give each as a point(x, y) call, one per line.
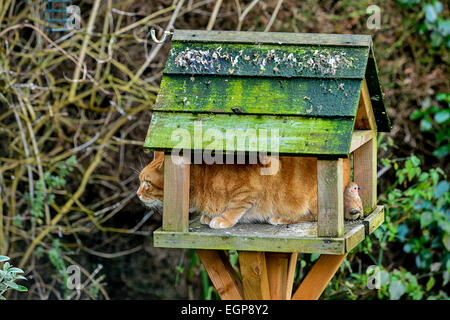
point(321, 95)
point(267, 253)
point(267, 275)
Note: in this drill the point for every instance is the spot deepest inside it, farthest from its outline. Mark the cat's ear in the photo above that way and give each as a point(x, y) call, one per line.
point(158, 155)
point(158, 159)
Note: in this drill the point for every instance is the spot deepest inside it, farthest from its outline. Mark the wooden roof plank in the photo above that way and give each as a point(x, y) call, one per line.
point(276, 96)
point(286, 135)
point(376, 95)
point(312, 61)
point(272, 37)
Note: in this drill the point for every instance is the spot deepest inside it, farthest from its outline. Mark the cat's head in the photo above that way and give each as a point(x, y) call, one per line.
point(151, 178)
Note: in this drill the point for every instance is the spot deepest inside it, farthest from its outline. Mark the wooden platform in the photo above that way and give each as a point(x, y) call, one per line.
point(301, 237)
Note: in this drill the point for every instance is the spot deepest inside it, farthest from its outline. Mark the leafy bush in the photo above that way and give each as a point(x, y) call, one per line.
point(436, 120)
point(417, 222)
point(45, 187)
point(434, 26)
point(8, 277)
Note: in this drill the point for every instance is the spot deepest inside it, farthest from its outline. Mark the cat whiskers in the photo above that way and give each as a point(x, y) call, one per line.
point(154, 205)
point(135, 170)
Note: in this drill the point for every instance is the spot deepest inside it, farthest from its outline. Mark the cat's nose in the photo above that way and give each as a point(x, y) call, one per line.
point(139, 192)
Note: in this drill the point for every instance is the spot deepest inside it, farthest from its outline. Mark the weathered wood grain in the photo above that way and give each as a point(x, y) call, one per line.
point(262, 60)
point(300, 237)
point(250, 133)
point(278, 38)
point(280, 270)
point(354, 237)
point(273, 96)
point(207, 240)
point(346, 172)
point(374, 220)
point(330, 198)
point(365, 173)
point(291, 275)
point(222, 274)
point(255, 280)
point(376, 95)
point(360, 137)
point(318, 277)
point(176, 195)
point(365, 118)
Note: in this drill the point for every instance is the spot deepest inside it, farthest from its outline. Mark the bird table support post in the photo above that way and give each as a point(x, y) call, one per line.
point(222, 274)
point(255, 279)
point(281, 271)
point(318, 278)
point(176, 193)
point(365, 173)
point(330, 198)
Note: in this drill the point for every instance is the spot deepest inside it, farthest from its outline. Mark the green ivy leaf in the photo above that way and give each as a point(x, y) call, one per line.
point(441, 189)
point(430, 13)
point(441, 151)
point(426, 103)
point(179, 269)
point(425, 219)
point(430, 283)
point(4, 258)
point(425, 124)
point(396, 290)
point(408, 248)
point(314, 257)
point(438, 7)
point(436, 39)
point(444, 96)
point(401, 177)
point(446, 278)
point(417, 114)
point(434, 176)
point(408, 3)
point(415, 161)
point(446, 241)
point(384, 278)
point(442, 116)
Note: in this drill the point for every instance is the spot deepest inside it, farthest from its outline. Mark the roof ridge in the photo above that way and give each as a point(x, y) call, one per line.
point(331, 39)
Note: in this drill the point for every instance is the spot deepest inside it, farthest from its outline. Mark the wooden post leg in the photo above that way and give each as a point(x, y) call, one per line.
point(365, 173)
point(176, 194)
point(318, 278)
point(280, 271)
point(222, 274)
point(365, 157)
point(254, 275)
point(330, 198)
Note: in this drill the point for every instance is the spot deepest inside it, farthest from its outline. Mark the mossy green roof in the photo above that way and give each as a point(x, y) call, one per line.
point(250, 80)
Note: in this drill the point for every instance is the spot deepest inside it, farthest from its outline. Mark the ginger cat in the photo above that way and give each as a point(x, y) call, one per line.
point(225, 194)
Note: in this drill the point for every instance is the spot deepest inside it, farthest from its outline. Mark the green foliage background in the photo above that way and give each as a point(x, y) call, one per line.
point(70, 150)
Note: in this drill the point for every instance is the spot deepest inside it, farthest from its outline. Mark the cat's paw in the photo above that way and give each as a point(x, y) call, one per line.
point(205, 220)
point(277, 221)
point(220, 223)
